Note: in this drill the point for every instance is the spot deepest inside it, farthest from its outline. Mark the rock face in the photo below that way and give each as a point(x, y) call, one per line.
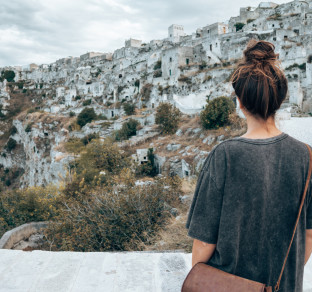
point(180, 69)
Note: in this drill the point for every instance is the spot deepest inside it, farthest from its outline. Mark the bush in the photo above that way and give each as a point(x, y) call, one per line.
point(99, 156)
point(28, 128)
point(71, 114)
point(11, 144)
point(127, 130)
point(216, 112)
point(118, 217)
point(167, 118)
point(87, 139)
point(239, 25)
point(27, 205)
point(13, 130)
point(86, 116)
point(129, 108)
point(9, 75)
point(86, 102)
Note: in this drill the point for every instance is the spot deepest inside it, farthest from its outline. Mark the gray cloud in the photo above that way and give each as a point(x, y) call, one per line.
point(40, 31)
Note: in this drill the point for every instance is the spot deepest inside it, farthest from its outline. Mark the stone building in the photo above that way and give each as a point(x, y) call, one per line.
point(175, 32)
point(173, 58)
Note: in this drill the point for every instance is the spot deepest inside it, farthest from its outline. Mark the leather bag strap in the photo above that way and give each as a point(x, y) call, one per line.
point(276, 288)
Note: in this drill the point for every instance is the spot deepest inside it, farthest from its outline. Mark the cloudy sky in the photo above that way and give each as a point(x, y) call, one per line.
point(42, 31)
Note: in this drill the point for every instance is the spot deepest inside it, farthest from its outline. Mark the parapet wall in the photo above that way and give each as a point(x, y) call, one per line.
point(11, 237)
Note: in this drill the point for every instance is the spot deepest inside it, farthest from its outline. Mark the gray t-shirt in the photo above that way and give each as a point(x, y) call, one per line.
point(246, 202)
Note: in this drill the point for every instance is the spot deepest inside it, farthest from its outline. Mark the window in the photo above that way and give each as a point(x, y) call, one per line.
point(120, 75)
point(170, 72)
point(186, 173)
point(273, 25)
point(112, 114)
point(208, 31)
point(170, 59)
point(285, 37)
point(210, 47)
point(274, 39)
point(187, 61)
point(144, 157)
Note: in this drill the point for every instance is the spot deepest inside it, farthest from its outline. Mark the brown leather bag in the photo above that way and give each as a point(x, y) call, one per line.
point(204, 278)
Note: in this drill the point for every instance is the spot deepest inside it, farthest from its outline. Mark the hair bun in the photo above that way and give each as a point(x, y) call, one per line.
point(260, 52)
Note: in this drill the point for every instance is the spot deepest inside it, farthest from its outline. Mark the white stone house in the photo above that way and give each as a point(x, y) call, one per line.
point(175, 31)
point(173, 58)
point(141, 156)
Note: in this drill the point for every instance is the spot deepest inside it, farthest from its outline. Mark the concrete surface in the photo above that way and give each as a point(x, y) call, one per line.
point(299, 128)
point(43, 271)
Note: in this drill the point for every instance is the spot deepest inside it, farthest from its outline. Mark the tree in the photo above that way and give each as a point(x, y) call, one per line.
point(86, 116)
point(167, 118)
point(129, 108)
point(9, 75)
point(216, 112)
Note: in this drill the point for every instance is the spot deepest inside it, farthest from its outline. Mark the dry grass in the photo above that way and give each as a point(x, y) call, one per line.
point(174, 235)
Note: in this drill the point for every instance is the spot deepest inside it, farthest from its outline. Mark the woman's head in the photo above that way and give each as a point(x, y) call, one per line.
point(258, 81)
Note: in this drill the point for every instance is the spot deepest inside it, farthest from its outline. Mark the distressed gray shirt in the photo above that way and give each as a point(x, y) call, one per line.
point(246, 202)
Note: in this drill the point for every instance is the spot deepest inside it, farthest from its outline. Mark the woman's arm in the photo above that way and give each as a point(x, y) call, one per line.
point(308, 248)
point(202, 251)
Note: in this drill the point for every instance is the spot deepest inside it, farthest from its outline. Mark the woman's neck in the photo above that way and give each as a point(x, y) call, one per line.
point(259, 129)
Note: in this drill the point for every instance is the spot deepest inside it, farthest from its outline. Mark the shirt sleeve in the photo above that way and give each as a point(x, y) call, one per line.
point(205, 211)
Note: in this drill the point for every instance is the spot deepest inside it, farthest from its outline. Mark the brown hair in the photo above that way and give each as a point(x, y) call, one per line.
point(258, 81)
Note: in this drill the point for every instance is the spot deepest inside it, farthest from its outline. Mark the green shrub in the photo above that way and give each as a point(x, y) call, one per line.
point(20, 85)
point(71, 114)
point(86, 116)
point(129, 108)
point(87, 102)
point(28, 128)
point(13, 130)
point(239, 25)
point(9, 75)
point(216, 113)
point(167, 118)
point(11, 144)
point(127, 130)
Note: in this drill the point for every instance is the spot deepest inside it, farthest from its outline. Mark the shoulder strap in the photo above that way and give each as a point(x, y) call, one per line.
point(276, 288)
